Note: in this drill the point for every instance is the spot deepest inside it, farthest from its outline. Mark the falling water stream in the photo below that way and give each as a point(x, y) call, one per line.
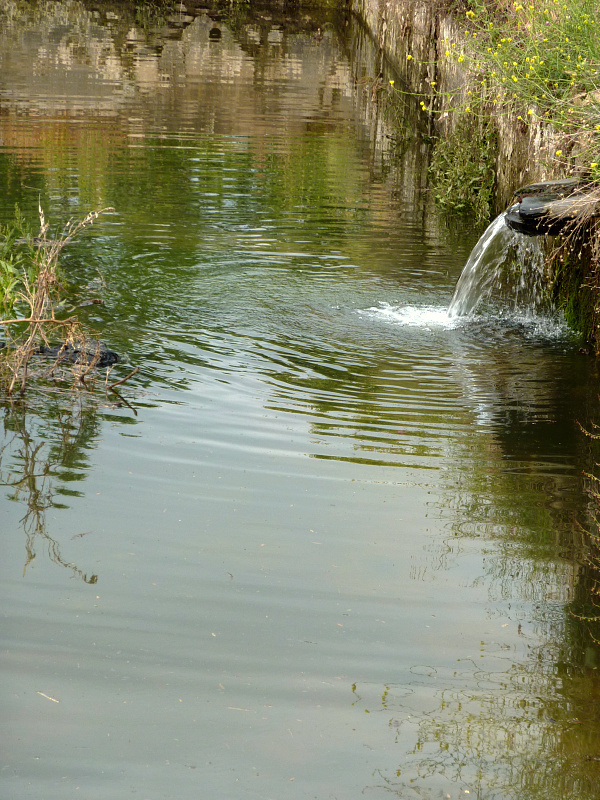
point(329, 545)
point(490, 267)
point(483, 267)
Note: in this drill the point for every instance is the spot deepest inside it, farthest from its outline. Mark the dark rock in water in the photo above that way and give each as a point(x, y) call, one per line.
point(92, 351)
point(548, 208)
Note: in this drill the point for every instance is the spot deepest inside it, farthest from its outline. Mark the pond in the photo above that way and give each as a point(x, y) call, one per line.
point(330, 545)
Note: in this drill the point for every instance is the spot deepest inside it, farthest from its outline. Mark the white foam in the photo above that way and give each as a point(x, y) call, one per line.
point(415, 316)
point(528, 324)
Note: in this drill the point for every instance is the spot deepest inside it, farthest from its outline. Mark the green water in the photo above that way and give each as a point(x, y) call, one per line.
point(331, 548)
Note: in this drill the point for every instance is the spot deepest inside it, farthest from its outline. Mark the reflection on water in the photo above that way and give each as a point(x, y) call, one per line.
point(40, 460)
point(334, 499)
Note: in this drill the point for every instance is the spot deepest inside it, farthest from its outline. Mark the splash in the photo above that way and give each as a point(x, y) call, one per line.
point(505, 274)
point(431, 317)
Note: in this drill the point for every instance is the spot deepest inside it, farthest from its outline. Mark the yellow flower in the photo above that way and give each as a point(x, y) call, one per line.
point(594, 164)
point(530, 111)
point(391, 83)
point(409, 58)
point(470, 14)
point(468, 109)
point(559, 152)
point(461, 58)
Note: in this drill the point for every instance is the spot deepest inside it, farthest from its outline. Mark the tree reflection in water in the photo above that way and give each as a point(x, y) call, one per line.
point(41, 456)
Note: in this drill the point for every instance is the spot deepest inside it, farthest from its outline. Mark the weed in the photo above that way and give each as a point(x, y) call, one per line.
point(30, 296)
point(539, 62)
point(462, 184)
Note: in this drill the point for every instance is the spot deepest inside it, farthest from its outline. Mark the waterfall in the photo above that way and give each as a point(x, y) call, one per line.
point(483, 267)
point(506, 263)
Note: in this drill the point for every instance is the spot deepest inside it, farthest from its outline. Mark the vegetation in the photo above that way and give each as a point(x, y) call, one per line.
point(534, 65)
point(465, 185)
point(33, 312)
point(537, 63)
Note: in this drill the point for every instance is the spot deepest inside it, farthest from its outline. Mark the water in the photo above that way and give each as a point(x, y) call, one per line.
point(334, 551)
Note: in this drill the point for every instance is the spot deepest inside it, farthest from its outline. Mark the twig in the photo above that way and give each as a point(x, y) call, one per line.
point(126, 378)
point(36, 319)
point(122, 399)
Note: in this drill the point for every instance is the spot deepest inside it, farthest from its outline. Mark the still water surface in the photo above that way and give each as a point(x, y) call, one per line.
point(334, 553)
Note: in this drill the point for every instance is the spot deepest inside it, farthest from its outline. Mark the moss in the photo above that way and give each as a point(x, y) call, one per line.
point(575, 276)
